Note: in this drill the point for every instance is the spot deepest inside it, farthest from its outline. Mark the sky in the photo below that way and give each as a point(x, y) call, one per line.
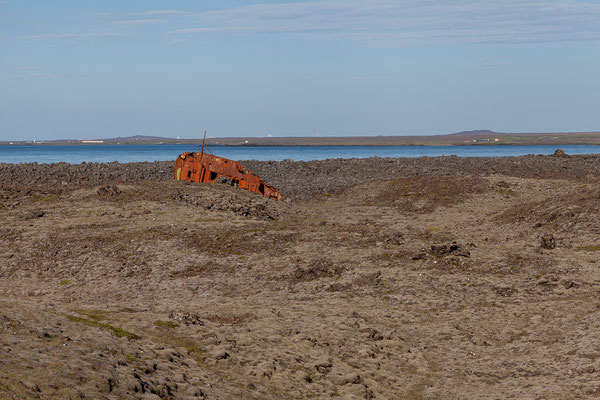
point(88, 69)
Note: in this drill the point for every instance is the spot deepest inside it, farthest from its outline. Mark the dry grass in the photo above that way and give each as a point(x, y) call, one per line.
point(563, 212)
point(418, 194)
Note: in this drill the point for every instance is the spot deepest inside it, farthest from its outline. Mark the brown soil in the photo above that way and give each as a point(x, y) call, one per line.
point(420, 279)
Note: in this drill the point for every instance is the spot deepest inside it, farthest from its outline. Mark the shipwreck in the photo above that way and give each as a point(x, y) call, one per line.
point(203, 167)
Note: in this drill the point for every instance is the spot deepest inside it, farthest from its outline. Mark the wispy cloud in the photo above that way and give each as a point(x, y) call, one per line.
point(144, 21)
point(27, 68)
point(38, 76)
point(164, 12)
point(472, 21)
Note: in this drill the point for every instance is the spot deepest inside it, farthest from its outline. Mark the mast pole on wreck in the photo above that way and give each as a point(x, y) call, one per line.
point(202, 151)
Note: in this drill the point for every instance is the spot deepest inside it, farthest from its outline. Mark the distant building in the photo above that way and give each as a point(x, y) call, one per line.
point(90, 141)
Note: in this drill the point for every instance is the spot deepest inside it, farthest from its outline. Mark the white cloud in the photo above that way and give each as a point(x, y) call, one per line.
point(164, 12)
point(412, 21)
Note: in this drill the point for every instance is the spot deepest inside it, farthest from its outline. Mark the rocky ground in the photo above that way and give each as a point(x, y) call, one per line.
point(379, 278)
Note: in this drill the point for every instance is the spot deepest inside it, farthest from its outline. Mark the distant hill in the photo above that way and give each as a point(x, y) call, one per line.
point(481, 132)
point(140, 138)
point(465, 138)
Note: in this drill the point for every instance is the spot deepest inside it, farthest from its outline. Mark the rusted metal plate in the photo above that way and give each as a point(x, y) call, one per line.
point(202, 167)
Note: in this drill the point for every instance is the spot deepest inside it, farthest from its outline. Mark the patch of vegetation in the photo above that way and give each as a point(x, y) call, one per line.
point(96, 315)
point(118, 332)
point(166, 324)
point(170, 337)
point(130, 358)
point(518, 263)
point(37, 198)
point(230, 319)
point(417, 194)
point(594, 247)
point(507, 192)
point(416, 392)
point(560, 212)
point(391, 256)
point(65, 282)
point(195, 270)
point(239, 240)
point(513, 336)
point(209, 220)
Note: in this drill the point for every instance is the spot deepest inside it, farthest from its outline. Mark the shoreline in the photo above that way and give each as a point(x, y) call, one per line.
point(140, 153)
point(559, 153)
point(306, 178)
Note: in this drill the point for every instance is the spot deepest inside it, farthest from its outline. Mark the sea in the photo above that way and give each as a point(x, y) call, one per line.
point(76, 154)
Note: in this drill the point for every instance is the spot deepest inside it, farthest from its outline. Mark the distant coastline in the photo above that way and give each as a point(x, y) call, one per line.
point(467, 138)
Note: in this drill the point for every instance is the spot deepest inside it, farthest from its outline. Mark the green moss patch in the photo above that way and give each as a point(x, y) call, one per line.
point(594, 247)
point(118, 332)
point(166, 324)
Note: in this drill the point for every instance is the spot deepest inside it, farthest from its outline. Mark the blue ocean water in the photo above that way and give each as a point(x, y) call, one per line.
point(164, 152)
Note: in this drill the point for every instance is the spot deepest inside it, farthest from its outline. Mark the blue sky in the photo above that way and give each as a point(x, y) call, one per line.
point(106, 68)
